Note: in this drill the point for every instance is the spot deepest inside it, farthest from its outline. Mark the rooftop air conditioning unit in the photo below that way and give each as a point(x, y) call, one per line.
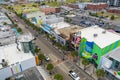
point(4, 63)
point(95, 35)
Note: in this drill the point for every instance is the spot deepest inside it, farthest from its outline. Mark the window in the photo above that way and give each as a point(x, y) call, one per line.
point(117, 65)
point(111, 59)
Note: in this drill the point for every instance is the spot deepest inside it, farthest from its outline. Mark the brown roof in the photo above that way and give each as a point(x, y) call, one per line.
point(65, 32)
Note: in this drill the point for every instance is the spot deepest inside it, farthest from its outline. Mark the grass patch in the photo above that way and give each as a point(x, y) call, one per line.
point(86, 0)
point(26, 8)
point(108, 15)
point(53, 4)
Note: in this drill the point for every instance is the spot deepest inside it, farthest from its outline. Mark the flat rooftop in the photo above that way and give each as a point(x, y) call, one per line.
point(65, 32)
point(12, 55)
point(115, 8)
point(102, 39)
point(4, 18)
point(115, 54)
point(97, 3)
point(7, 37)
point(59, 25)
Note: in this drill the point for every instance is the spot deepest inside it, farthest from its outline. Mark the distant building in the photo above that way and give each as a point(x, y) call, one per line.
point(35, 17)
point(96, 6)
point(110, 2)
point(114, 10)
point(47, 24)
point(48, 9)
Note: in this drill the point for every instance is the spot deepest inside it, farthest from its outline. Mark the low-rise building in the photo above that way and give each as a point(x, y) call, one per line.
point(97, 42)
point(74, 6)
point(114, 10)
point(17, 56)
point(70, 35)
point(35, 17)
point(47, 24)
point(97, 6)
point(48, 9)
point(111, 64)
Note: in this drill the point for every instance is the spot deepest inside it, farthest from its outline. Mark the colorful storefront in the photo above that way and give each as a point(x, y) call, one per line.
point(92, 47)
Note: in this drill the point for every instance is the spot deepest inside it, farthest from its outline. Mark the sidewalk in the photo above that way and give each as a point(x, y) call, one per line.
point(90, 69)
point(43, 72)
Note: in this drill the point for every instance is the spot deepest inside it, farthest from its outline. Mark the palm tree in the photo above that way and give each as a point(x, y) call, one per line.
point(50, 67)
point(100, 73)
point(58, 77)
point(41, 57)
point(85, 62)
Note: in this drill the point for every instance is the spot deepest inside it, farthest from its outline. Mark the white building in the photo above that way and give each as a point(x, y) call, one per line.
point(111, 64)
point(35, 17)
point(16, 57)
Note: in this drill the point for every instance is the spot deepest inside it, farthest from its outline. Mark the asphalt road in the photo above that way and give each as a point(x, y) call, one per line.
point(49, 49)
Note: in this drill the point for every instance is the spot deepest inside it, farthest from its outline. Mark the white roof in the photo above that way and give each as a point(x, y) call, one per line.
point(102, 39)
point(59, 25)
point(115, 54)
point(25, 38)
point(97, 3)
point(7, 36)
point(35, 14)
point(4, 18)
point(66, 8)
point(12, 55)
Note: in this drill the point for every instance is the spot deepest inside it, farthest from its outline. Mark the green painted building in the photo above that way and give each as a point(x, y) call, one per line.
point(96, 42)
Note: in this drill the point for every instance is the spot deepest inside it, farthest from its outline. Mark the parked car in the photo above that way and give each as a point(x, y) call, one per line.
point(74, 75)
point(47, 58)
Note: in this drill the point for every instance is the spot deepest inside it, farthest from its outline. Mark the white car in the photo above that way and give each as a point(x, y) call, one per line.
point(74, 75)
point(47, 58)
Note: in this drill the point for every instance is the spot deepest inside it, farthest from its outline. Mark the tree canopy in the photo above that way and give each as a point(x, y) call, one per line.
point(85, 62)
point(41, 57)
point(50, 67)
point(100, 73)
point(58, 77)
point(74, 53)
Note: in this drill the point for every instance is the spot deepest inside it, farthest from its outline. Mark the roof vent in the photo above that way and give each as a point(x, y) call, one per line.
point(104, 31)
point(4, 63)
point(95, 35)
